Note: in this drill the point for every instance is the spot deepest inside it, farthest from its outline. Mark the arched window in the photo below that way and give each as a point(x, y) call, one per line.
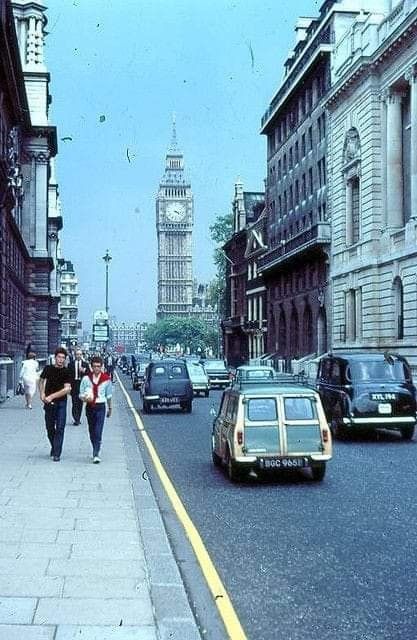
point(308, 330)
point(294, 333)
point(282, 335)
point(398, 308)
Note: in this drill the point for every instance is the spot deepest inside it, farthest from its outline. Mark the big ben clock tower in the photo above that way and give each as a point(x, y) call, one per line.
point(174, 227)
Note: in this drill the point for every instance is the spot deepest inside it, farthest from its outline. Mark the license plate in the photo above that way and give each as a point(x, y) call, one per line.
point(173, 400)
point(384, 408)
point(283, 463)
point(382, 396)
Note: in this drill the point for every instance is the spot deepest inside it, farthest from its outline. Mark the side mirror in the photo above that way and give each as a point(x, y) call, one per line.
point(213, 412)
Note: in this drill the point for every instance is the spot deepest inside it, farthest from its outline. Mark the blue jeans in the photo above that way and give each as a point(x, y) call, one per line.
point(95, 417)
point(55, 418)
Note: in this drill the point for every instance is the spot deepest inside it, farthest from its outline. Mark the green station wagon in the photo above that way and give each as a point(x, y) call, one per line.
point(269, 426)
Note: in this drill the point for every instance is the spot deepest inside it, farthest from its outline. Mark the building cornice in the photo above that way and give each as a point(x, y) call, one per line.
point(367, 65)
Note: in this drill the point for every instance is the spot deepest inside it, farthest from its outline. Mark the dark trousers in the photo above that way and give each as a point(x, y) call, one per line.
point(95, 417)
point(55, 418)
point(77, 404)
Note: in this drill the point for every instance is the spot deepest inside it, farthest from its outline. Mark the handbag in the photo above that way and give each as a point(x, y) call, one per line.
point(20, 390)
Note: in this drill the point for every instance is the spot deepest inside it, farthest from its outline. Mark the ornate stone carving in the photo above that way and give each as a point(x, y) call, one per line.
point(351, 147)
point(14, 174)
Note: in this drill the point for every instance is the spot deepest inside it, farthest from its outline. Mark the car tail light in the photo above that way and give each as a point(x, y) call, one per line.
point(325, 435)
point(240, 437)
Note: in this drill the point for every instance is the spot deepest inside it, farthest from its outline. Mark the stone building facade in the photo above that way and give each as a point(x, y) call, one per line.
point(69, 303)
point(373, 181)
point(30, 218)
point(244, 326)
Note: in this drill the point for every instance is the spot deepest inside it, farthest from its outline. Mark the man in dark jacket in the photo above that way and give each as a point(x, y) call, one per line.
point(78, 367)
point(54, 386)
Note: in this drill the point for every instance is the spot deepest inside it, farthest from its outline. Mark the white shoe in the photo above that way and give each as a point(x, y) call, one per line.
point(96, 460)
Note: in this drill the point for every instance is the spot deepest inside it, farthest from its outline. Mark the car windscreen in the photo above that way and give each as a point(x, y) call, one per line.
point(369, 370)
point(214, 364)
point(159, 371)
point(299, 409)
point(261, 409)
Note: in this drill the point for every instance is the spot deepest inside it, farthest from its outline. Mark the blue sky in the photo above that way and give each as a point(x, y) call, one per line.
point(119, 69)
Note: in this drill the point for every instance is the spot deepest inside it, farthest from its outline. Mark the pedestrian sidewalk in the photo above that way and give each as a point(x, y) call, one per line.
point(83, 550)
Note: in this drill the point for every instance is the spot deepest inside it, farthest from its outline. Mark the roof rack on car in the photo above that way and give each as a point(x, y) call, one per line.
point(279, 378)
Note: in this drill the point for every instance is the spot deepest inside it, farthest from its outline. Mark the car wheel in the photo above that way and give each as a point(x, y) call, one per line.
point(318, 471)
point(188, 406)
point(217, 461)
point(233, 471)
point(146, 407)
point(407, 432)
point(206, 393)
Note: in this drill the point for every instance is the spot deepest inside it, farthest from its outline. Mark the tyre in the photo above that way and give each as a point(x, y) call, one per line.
point(189, 406)
point(407, 432)
point(206, 393)
point(146, 407)
point(217, 461)
point(233, 471)
point(318, 471)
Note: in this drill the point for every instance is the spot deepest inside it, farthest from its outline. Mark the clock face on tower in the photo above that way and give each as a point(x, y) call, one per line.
point(175, 211)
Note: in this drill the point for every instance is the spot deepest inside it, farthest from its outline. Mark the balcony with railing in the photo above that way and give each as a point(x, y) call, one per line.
point(318, 234)
point(234, 322)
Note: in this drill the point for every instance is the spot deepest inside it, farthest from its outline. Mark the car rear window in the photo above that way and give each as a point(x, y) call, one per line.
point(259, 374)
point(260, 409)
point(214, 364)
point(159, 371)
point(377, 370)
point(178, 371)
point(299, 409)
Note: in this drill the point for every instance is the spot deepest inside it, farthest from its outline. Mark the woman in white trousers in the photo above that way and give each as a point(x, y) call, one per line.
point(29, 375)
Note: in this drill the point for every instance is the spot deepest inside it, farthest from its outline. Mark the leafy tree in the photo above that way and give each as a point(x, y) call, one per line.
point(191, 333)
point(220, 232)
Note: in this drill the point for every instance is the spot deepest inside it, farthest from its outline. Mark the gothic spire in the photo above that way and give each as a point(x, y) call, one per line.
point(174, 144)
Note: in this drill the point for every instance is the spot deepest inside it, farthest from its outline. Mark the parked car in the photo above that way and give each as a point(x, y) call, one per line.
point(367, 390)
point(270, 426)
point(167, 383)
point(198, 377)
point(252, 373)
point(217, 372)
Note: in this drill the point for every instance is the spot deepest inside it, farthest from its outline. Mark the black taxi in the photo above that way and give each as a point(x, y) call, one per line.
point(367, 390)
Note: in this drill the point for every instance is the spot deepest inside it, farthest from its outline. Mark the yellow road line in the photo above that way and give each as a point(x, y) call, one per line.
point(220, 595)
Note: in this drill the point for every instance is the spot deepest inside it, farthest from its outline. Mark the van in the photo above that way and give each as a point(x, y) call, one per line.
point(271, 426)
point(199, 378)
point(167, 383)
point(367, 390)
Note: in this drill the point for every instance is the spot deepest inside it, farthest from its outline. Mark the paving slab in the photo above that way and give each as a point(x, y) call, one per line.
point(26, 632)
point(107, 633)
point(17, 610)
point(82, 611)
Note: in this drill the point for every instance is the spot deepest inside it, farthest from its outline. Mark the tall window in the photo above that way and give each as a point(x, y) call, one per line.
point(355, 210)
point(398, 309)
point(352, 171)
point(353, 314)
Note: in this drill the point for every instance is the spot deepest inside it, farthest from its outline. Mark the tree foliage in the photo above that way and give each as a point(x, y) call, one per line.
point(220, 232)
point(189, 333)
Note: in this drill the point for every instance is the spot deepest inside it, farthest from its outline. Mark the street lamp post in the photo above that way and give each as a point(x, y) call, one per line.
point(107, 259)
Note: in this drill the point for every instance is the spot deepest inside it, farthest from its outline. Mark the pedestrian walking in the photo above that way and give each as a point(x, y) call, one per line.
point(29, 374)
point(109, 363)
point(54, 386)
point(78, 367)
point(96, 391)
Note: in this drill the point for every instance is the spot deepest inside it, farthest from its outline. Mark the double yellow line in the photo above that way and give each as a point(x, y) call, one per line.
point(220, 595)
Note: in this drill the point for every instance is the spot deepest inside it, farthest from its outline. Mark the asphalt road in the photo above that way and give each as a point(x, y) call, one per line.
point(304, 560)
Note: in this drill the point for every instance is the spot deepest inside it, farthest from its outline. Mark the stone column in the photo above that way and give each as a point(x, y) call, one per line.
point(349, 226)
point(395, 217)
point(411, 76)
